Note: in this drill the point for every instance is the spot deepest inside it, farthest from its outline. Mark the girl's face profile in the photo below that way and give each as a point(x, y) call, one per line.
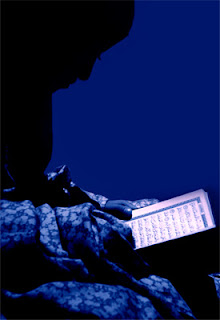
point(78, 66)
point(57, 49)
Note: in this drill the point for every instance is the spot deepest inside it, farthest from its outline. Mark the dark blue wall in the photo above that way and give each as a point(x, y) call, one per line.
point(146, 122)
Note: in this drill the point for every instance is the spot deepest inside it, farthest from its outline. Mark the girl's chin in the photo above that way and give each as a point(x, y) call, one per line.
point(63, 84)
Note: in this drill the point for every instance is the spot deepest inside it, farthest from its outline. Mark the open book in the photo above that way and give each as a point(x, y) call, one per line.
point(171, 219)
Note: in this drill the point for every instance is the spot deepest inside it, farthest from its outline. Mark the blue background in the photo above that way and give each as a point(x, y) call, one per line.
point(146, 123)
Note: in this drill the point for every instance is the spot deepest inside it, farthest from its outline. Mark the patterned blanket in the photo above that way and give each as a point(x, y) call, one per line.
point(77, 261)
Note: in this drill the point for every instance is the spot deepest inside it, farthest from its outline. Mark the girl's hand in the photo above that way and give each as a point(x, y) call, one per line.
point(121, 209)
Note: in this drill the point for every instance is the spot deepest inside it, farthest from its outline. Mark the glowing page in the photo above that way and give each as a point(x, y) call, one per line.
point(171, 219)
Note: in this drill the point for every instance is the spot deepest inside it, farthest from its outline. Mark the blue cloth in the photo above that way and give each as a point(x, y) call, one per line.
point(77, 261)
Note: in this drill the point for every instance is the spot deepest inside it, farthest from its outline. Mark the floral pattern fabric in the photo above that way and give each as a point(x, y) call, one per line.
point(77, 261)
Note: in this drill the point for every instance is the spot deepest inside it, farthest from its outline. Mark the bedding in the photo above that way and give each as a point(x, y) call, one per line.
point(68, 259)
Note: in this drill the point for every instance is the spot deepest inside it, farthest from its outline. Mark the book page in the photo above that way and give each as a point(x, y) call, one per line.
point(171, 219)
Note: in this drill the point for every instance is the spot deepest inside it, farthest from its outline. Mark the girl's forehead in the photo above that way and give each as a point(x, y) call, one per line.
point(69, 20)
